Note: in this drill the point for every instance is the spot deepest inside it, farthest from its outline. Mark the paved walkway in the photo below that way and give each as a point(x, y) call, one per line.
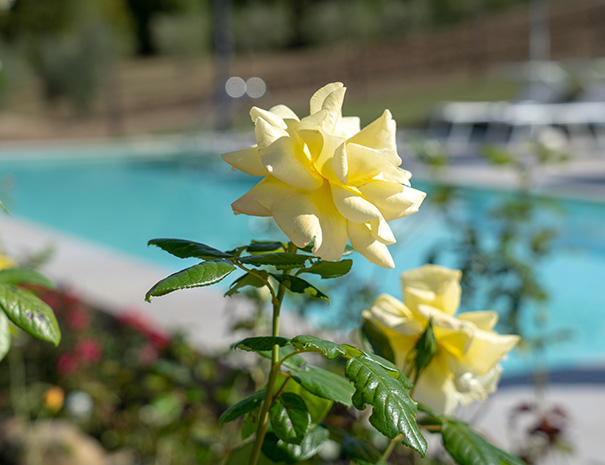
point(115, 282)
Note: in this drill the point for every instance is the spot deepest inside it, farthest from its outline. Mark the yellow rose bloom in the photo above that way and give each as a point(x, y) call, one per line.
point(466, 366)
point(326, 180)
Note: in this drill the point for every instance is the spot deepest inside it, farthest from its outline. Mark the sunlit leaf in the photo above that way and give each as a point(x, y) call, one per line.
point(203, 274)
point(328, 349)
point(265, 247)
point(29, 313)
point(329, 269)
point(282, 261)
point(300, 286)
point(393, 411)
point(188, 249)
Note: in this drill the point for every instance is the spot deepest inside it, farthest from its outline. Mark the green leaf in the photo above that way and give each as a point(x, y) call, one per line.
point(393, 412)
point(5, 335)
point(242, 407)
point(378, 340)
point(241, 456)
point(353, 351)
point(390, 368)
point(282, 260)
point(16, 276)
point(266, 247)
point(300, 286)
point(324, 384)
point(328, 349)
point(278, 450)
point(329, 270)
point(246, 280)
point(256, 344)
point(361, 452)
point(188, 249)
point(29, 313)
point(293, 361)
point(250, 424)
point(203, 274)
point(470, 448)
point(290, 418)
point(426, 348)
point(317, 406)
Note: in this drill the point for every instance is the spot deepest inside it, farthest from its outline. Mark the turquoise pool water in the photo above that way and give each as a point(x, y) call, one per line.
point(124, 202)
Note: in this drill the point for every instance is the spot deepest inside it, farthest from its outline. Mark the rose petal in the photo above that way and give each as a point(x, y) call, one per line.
point(259, 200)
point(287, 161)
point(349, 126)
point(269, 116)
point(284, 112)
point(381, 134)
point(362, 241)
point(392, 199)
point(352, 205)
point(487, 349)
point(432, 285)
point(485, 320)
point(266, 133)
point(304, 215)
point(435, 387)
point(381, 231)
point(246, 160)
point(319, 97)
point(364, 163)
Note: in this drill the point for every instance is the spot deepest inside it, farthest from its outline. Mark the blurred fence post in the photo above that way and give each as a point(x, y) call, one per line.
point(114, 101)
point(223, 51)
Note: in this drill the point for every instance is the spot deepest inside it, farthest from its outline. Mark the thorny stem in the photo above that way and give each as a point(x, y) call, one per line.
point(263, 423)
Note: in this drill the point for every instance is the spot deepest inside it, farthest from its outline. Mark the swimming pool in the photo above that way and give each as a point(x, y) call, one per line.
point(124, 201)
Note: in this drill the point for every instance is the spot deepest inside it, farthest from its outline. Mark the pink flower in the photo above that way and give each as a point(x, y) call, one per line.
point(148, 354)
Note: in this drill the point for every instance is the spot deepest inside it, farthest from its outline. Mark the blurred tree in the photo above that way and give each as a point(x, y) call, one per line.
point(32, 17)
point(143, 12)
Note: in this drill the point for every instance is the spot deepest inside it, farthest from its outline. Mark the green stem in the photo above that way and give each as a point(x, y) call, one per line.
point(263, 423)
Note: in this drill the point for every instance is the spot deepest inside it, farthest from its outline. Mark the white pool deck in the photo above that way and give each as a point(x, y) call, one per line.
point(115, 282)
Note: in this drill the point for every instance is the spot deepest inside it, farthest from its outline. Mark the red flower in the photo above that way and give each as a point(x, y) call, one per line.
point(157, 338)
point(89, 350)
point(78, 319)
point(67, 364)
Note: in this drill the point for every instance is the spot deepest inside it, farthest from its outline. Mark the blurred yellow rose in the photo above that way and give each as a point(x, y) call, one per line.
point(465, 367)
point(325, 180)
point(6, 262)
